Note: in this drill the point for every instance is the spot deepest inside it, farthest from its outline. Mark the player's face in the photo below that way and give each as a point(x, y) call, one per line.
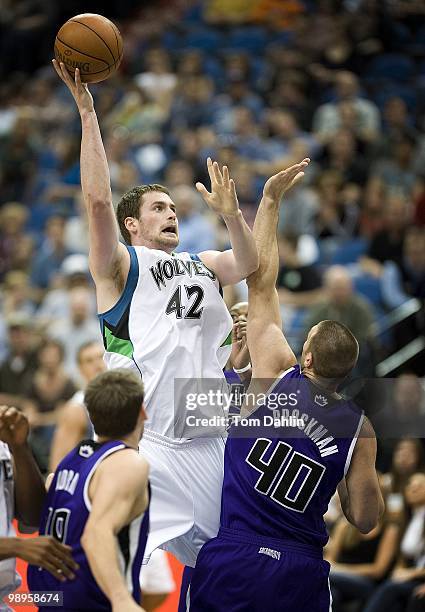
point(91, 362)
point(157, 223)
point(415, 490)
point(239, 312)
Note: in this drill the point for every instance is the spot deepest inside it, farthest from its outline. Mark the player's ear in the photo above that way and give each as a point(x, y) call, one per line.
point(131, 224)
point(308, 360)
point(143, 414)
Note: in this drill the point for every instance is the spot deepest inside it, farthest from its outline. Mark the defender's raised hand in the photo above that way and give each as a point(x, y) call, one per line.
point(279, 183)
point(222, 199)
point(14, 426)
point(80, 91)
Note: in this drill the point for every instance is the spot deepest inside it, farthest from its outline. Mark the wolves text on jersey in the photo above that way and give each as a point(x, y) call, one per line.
point(166, 270)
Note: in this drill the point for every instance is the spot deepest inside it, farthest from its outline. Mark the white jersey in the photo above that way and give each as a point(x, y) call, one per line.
point(170, 323)
point(9, 578)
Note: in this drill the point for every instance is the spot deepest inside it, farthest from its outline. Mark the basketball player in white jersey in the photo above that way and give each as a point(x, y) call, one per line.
point(162, 314)
point(74, 424)
point(22, 495)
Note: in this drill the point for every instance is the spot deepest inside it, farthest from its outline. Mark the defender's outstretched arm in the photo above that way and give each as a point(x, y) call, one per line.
point(269, 350)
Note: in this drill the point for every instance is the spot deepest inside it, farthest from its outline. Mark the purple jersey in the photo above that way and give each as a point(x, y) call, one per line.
point(278, 480)
point(65, 514)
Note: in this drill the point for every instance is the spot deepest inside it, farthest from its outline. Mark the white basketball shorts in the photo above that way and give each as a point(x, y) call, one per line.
point(186, 481)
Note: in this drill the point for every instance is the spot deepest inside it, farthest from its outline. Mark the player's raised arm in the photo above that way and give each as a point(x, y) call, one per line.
point(108, 257)
point(241, 260)
point(118, 494)
point(359, 492)
point(269, 350)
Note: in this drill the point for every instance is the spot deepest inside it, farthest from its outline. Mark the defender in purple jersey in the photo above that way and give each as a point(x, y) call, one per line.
point(302, 441)
point(98, 502)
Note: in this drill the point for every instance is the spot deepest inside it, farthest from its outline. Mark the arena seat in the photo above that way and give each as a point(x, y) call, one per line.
point(349, 252)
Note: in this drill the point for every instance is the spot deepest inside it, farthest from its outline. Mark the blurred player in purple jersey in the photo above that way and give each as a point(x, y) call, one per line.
point(98, 502)
point(279, 478)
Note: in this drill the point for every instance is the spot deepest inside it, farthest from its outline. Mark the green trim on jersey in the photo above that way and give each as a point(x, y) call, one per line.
point(228, 340)
point(118, 345)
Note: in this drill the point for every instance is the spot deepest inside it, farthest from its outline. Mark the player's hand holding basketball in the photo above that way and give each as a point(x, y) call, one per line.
point(14, 427)
point(279, 183)
point(222, 199)
point(80, 91)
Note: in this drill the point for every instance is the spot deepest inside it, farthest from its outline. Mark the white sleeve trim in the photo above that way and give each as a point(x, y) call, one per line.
point(92, 471)
point(353, 444)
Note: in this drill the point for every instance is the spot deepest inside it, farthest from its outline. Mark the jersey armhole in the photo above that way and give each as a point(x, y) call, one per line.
point(129, 288)
point(279, 378)
point(353, 444)
point(86, 497)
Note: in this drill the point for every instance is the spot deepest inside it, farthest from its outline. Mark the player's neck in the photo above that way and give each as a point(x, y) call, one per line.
point(131, 440)
point(327, 384)
point(154, 246)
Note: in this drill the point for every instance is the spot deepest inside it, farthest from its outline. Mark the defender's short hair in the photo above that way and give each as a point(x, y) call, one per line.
point(130, 203)
point(335, 350)
point(114, 399)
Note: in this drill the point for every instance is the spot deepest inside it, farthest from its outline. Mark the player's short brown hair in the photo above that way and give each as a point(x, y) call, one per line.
point(334, 349)
point(130, 203)
point(114, 399)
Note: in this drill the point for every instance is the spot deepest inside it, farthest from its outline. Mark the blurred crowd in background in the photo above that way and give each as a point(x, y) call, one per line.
point(256, 85)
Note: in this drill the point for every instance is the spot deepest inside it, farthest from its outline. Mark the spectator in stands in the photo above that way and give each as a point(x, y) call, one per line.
point(338, 210)
point(17, 370)
point(78, 327)
point(13, 217)
point(17, 297)
point(142, 116)
point(51, 254)
point(359, 562)
point(192, 105)
point(74, 272)
point(17, 160)
point(388, 243)
point(298, 284)
point(196, 228)
point(395, 592)
point(329, 117)
point(50, 388)
point(158, 80)
point(344, 306)
point(396, 123)
point(342, 155)
point(407, 459)
point(179, 172)
point(77, 229)
point(399, 283)
point(405, 415)
point(396, 170)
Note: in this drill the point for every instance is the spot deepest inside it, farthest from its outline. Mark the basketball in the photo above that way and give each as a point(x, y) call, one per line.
point(91, 43)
